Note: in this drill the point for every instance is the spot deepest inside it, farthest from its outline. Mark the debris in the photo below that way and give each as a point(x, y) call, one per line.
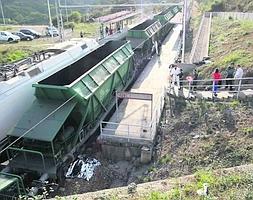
point(196, 136)
point(204, 191)
point(82, 169)
point(131, 188)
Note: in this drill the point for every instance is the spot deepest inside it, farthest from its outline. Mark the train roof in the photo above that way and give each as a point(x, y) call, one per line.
point(46, 130)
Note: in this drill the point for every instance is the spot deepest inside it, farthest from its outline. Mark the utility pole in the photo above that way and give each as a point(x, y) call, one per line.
point(184, 30)
point(141, 9)
point(61, 31)
point(57, 14)
point(50, 20)
point(66, 10)
point(2, 11)
point(49, 14)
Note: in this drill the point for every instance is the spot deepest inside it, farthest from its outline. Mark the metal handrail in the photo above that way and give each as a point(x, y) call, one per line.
point(115, 123)
point(30, 151)
point(222, 79)
point(19, 179)
point(150, 128)
point(212, 83)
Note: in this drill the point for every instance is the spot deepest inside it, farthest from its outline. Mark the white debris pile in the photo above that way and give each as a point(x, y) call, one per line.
point(82, 169)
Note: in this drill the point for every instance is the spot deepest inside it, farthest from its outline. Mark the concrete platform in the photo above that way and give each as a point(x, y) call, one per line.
point(133, 123)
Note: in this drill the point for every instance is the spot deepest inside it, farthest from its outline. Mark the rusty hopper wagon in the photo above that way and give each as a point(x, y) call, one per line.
point(69, 105)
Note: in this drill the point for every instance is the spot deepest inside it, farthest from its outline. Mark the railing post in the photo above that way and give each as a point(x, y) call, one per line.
point(239, 88)
point(213, 90)
point(128, 133)
point(101, 128)
point(189, 88)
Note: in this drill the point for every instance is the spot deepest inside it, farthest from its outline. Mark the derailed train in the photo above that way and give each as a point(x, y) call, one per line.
point(70, 103)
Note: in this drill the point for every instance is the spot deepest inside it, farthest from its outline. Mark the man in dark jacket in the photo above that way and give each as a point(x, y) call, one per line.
point(230, 74)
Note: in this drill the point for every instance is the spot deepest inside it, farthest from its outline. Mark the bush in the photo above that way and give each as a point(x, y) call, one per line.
point(75, 17)
point(70, 25)
point(158, 196)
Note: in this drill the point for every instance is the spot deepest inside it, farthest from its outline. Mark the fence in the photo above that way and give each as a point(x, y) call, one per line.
point(234, 15)
point(237, 85)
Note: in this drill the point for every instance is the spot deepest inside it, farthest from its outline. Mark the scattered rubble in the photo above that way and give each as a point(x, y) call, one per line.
point(82, 169)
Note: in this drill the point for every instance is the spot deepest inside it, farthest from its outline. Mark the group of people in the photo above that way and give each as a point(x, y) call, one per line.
point(232, 73)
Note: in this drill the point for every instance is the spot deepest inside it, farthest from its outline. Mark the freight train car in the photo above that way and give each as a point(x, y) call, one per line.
point(164, 18)
point(68, 106)
point(70, 103)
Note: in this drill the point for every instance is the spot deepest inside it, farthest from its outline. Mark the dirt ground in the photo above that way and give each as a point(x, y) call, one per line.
point(204, 135)
point(199, 135)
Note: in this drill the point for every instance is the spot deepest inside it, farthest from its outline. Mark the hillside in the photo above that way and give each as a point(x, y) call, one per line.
point(226, 184)
point(36, 12)
point(226, 5)
point(231, 41)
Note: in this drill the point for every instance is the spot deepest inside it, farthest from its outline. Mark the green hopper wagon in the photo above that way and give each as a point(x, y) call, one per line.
point(142, 39)
point(164, 18)
point(67, 108)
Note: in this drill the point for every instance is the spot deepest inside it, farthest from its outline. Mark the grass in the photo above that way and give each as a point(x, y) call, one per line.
point(16, 51)
point(89, 29)
point(6, 28)
point(165, 159)
point(231, 41)
point(222, 185)
point(11, 52)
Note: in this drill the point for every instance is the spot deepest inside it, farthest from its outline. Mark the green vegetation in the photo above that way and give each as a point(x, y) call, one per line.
point(36, 11)
point(226, 5)
point(231, 41)
point(158, 196)
point(13, 52)
point(89, 29)
point(223, 185)
point(165, 159)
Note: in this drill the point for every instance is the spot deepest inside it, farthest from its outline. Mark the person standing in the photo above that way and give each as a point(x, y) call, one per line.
point(156, 48)
point(230, 74)
point(175, 71)
point(106, 30)
point(170, 77)
point(216, 81)
point(81, 34)
point(181, 75)
point(238, 74)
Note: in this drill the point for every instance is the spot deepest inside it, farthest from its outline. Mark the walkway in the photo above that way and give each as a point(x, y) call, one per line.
point(133, 120)
point(201, 43)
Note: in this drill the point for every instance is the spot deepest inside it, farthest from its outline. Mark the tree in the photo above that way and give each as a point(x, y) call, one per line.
point(75, 17)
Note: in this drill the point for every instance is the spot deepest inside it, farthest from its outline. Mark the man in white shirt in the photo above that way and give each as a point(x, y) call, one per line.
point(238, 76)
point(175, 71)
point(239, 72)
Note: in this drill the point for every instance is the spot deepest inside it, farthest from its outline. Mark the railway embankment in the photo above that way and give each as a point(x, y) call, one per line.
point(231, 41)
point(229, 183)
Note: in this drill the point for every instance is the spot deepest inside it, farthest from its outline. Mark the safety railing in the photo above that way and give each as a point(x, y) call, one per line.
point(233, 85)
point(135, 131)
point(127, 131)
point(13, 151)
